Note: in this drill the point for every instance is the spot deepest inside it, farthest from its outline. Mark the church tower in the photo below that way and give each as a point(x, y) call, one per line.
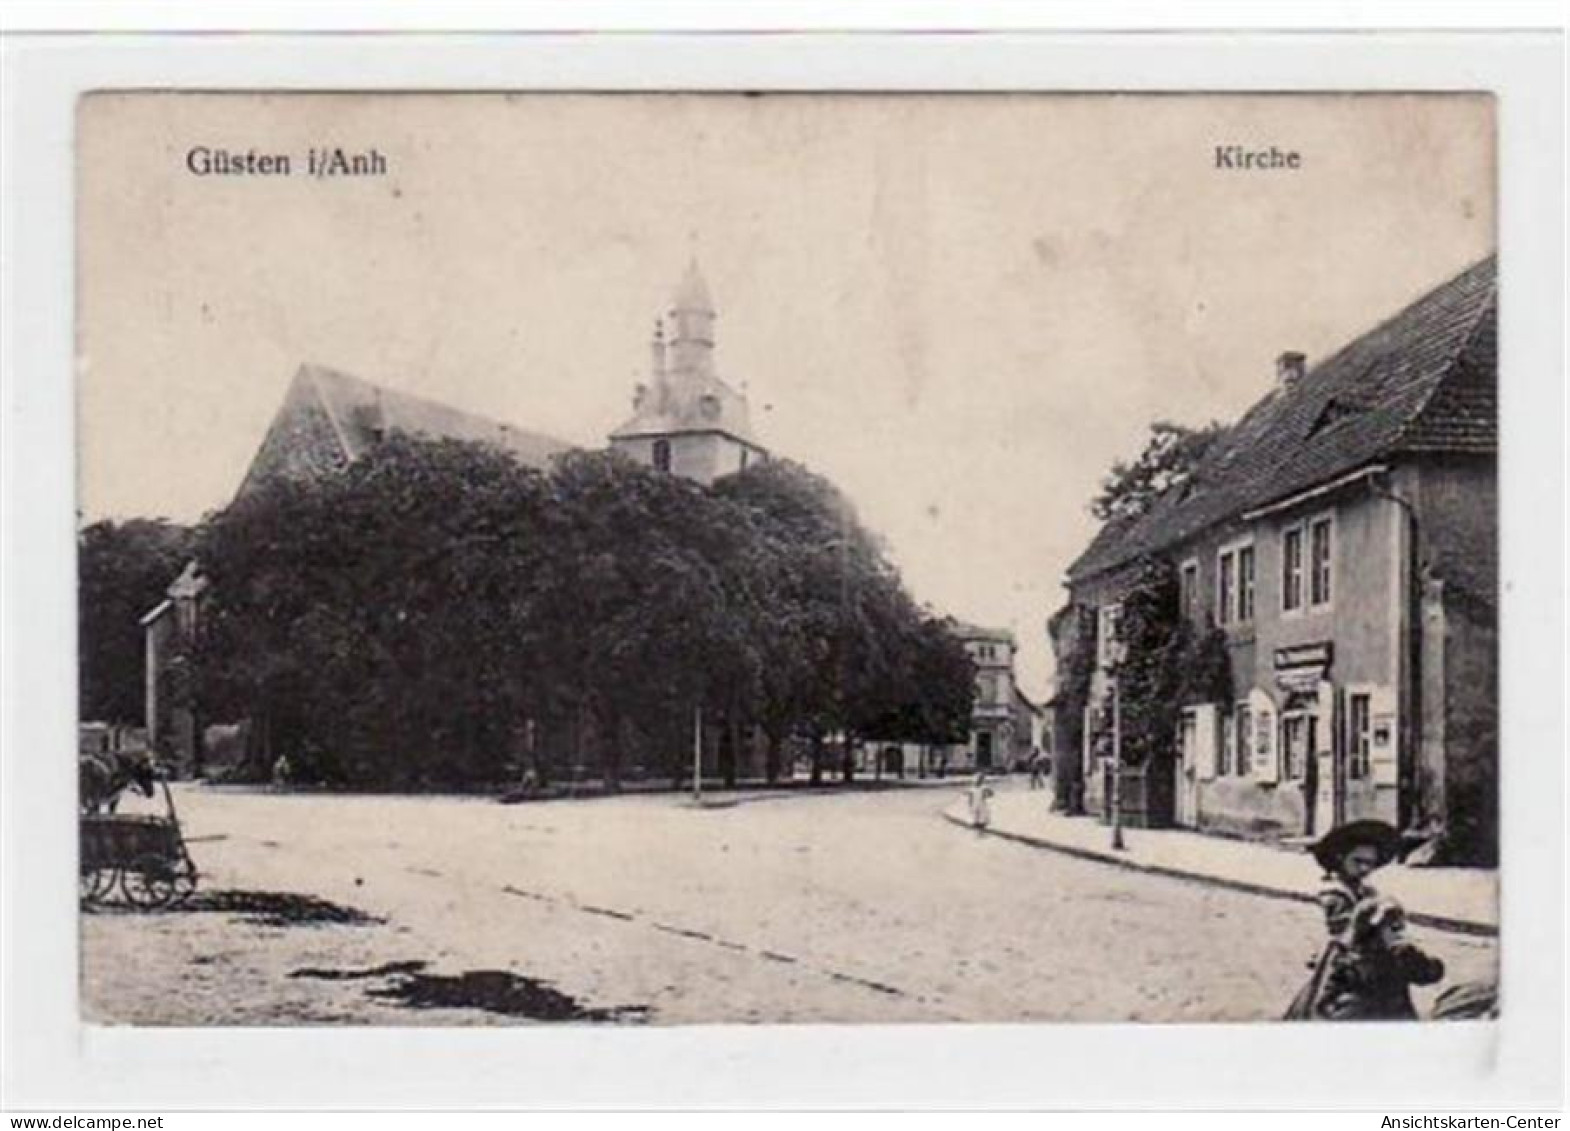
point(686, 419)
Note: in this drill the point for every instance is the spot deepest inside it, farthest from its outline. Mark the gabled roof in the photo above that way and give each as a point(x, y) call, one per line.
point(1423, 381)
point(361, 412)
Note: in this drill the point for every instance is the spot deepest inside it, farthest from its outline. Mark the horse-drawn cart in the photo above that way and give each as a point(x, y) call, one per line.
point(144, 856)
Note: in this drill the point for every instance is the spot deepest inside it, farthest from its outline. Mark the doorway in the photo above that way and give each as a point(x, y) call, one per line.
point(983, 750)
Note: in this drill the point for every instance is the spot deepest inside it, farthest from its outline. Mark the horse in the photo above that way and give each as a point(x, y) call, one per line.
point(104, 777)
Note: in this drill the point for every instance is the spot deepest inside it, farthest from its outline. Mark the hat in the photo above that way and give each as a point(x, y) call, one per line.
point(1335, 844)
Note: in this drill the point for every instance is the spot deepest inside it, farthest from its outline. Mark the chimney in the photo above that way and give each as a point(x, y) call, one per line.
point(1290, 367)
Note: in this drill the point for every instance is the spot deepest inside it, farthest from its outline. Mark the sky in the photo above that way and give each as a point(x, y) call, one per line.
point(960, 308)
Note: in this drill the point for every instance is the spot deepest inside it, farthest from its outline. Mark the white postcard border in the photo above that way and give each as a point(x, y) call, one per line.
point(53, 1061)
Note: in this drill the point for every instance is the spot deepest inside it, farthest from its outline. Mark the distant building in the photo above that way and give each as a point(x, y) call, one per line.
point(686, 419)
point(169, 633)
point(1343, 537)
point(999, 737)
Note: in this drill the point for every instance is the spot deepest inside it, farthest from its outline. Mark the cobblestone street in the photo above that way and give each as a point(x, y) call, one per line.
point(755, 908)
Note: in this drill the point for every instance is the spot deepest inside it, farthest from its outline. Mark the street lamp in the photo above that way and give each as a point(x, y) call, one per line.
point(697, 754)
point(1117, 747)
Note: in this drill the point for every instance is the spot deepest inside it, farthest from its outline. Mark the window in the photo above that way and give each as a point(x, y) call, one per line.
point(1359, 735)
point(1107, 634)
point(1245, 584)
point(1244, 725)
point(1226, 587)
point(1235, 585)
point(1320, 550)
point(1188, 590)
point(1292, 568)
point(1229, 751)
point(662, 455)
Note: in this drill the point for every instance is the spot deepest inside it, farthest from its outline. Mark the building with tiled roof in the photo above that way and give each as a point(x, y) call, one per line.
point(329, 419)
point(686, 419)
point(1343, 537)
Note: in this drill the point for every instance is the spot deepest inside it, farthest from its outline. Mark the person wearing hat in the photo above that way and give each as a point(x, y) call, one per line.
point(1349, 854)
point(1368, 966)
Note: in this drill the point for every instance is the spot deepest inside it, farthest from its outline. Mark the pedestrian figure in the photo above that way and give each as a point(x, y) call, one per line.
point(1038, 769)
point(1367, 965)
point(980, 796)
point(282, 772)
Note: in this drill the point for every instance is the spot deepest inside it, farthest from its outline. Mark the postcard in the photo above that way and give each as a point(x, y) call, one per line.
point(651, 559)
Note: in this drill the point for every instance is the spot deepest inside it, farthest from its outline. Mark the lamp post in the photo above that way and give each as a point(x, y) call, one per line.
point(1117, 768)
point(1117, 746)
point(697, 754)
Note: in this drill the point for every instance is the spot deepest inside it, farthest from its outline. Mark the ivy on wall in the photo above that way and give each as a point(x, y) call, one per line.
point(1166, 664)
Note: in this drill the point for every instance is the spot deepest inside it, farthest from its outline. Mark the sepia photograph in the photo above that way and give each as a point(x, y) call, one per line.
point(658, 559)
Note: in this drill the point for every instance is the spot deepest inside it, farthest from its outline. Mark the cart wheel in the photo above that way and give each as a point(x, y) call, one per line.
point(148, 881)
point(95, 884)
point(184, 881)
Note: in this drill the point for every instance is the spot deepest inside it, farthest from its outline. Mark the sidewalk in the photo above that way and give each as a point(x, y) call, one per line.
point(1463, 900)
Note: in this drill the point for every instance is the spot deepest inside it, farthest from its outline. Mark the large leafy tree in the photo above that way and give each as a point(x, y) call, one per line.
point(124, 569)
point(376, 625)
point(1167, 460)
point(844, 651)
point(653, 596)
point(439, 614)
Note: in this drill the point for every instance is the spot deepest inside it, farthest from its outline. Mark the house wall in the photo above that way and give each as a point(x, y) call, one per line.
point(1419, 640)
point(992, 714)
point(1456, 501)
point(1359, 624)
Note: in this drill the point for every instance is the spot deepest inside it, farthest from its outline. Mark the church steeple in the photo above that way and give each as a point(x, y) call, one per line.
point(686, 419)
point(692, 324)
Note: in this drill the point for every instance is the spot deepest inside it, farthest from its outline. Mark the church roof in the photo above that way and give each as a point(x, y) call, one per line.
point(329, 419)
point(362, 411)
point(1425, 380)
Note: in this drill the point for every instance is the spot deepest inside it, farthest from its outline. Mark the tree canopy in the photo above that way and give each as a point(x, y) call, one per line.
point(1166, 461)
point(438, 613)
point(123, 570)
